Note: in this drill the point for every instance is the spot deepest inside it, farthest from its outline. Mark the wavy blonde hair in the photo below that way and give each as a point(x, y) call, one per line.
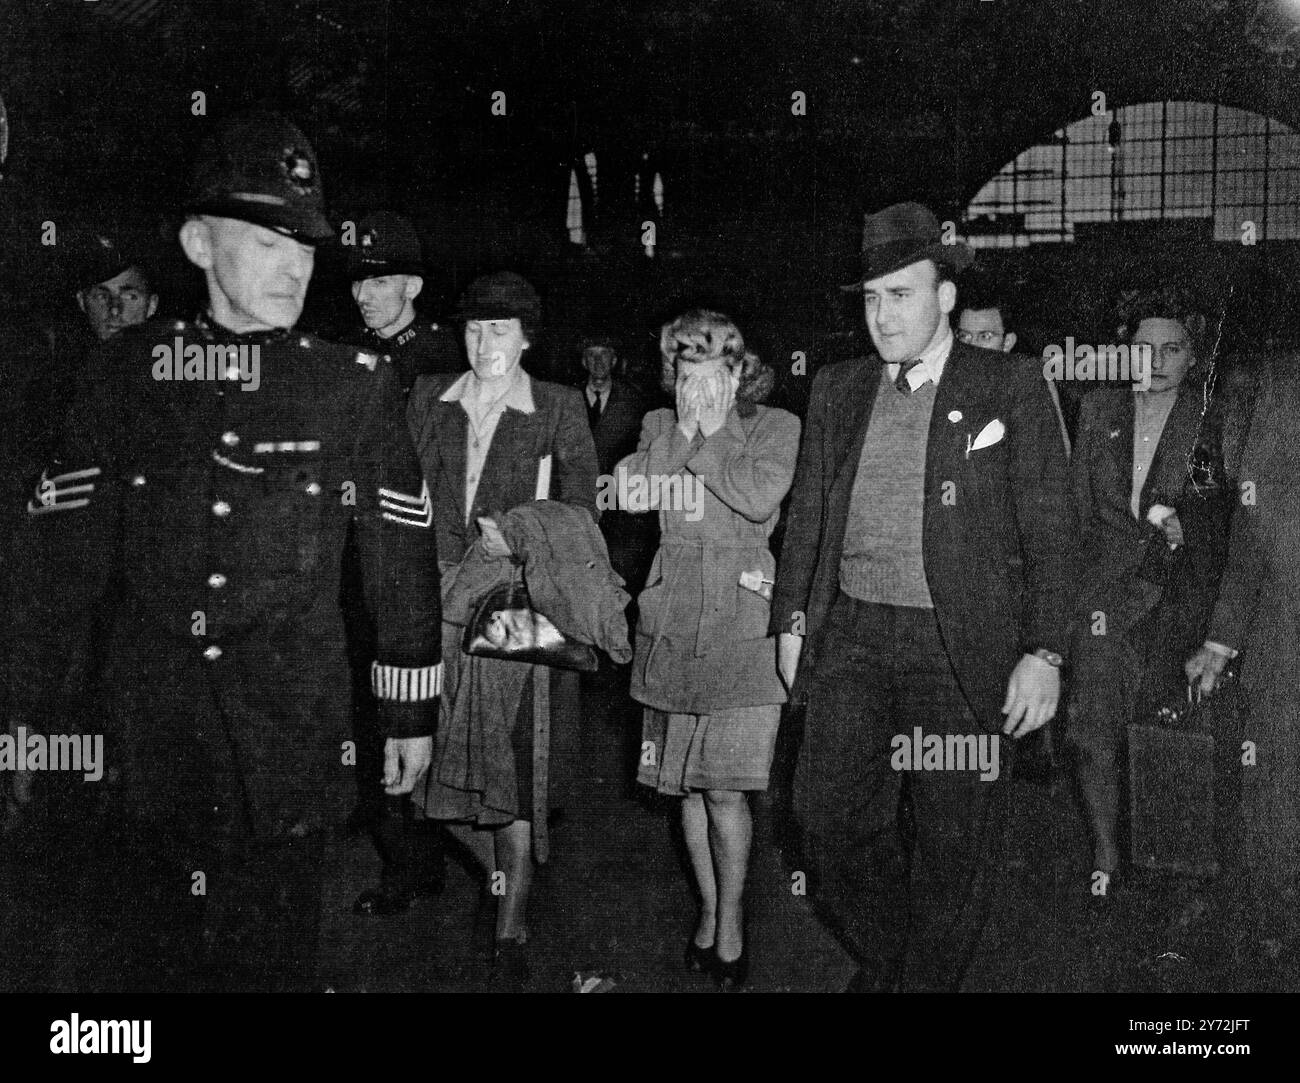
point(701, 334)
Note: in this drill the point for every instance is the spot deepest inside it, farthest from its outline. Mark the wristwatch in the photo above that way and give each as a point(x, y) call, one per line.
point(1050, 657)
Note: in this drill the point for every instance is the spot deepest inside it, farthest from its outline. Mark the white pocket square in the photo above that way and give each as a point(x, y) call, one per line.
point(989, 435)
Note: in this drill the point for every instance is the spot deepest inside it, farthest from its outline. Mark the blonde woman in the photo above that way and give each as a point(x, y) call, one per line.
point(716, 469)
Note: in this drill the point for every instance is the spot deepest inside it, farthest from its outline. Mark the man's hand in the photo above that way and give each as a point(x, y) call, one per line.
point(788, 649)
point(405, 760)
point(1032, 695)
point(1207, 666)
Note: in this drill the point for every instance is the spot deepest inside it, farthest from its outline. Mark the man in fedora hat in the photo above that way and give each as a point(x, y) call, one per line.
point(920, 607)
point(386, 267)
point(207, 482)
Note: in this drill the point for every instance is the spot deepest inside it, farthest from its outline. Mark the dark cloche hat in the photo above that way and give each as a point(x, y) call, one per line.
point(387, 244)
point(903, 234)
point(259, 168)
point(501, 296)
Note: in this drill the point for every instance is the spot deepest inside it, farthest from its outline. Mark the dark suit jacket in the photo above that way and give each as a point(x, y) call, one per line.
point(1258, 609)
point(996, 540)
point(1118, 575)
point(557, 427)
point(616, 432)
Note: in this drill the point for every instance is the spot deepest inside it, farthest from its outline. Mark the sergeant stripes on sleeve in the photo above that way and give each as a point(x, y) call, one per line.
point(407, 510)
point(57, 493)
point(406, 685)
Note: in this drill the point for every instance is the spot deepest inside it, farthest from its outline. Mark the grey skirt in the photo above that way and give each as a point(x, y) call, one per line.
point(730, 749)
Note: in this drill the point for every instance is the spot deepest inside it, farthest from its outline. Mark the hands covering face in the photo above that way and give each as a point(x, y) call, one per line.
point(704, 401)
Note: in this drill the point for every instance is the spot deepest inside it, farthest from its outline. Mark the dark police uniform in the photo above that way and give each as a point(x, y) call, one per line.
point(209, 519)
point(388, 244)
point(419, 350)
point(215, 519)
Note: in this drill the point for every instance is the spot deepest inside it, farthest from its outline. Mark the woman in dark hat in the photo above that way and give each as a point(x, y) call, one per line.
point(716, 469)
point(489, 440)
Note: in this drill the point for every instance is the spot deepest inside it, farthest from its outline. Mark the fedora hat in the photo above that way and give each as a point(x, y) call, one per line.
point(903, 234)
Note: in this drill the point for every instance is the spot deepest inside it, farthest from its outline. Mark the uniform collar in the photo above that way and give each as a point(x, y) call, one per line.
point(519, 397)
point(215, 332)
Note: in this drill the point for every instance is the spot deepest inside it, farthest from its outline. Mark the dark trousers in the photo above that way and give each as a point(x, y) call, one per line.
point(208, 909)
point(883, 671)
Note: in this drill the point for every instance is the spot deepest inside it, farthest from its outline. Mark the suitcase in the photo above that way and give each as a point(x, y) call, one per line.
point(1184, 784)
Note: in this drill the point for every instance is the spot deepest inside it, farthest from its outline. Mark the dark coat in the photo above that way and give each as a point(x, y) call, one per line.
point(616, 429)
point(1126, 569)
point(209, 523)
point(1258, 608)
point(421, 349)
point(558, 428)
point(997, 532)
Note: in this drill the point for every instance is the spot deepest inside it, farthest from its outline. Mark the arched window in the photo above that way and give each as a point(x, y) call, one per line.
point(1215, 166)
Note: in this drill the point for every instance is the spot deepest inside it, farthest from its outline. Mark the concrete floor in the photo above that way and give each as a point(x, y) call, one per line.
point(615, 901)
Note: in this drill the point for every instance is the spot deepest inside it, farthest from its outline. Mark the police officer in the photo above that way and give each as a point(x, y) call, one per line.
point(207, 484)
point(386, 267)
point(387, 270)
point(113, 290)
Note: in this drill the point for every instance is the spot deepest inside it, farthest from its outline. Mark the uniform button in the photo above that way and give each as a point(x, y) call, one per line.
point(216, 580)
point(138, 480)
point(212, 653)
point(230, 439)
point(304, 342)
point(313, 489)
point(220, 509)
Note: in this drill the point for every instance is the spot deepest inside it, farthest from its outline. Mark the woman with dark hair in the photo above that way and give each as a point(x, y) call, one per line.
point(1152, 507)
point(716, 469)
point(490, 440)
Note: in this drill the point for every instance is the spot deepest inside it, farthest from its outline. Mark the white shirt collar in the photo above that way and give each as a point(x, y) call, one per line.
point(934, 358)
point(519, 397)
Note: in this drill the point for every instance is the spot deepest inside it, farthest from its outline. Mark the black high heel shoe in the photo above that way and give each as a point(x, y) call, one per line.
point(732, 976)
point(699, 960)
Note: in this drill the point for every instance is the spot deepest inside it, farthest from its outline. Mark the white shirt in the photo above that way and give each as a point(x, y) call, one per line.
point(933, 359)
point(483, 425)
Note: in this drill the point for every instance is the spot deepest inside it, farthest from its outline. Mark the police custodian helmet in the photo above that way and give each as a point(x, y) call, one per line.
point(387, 244)
point(259, 168)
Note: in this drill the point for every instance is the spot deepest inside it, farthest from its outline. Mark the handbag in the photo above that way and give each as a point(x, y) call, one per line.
point(505, 625)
